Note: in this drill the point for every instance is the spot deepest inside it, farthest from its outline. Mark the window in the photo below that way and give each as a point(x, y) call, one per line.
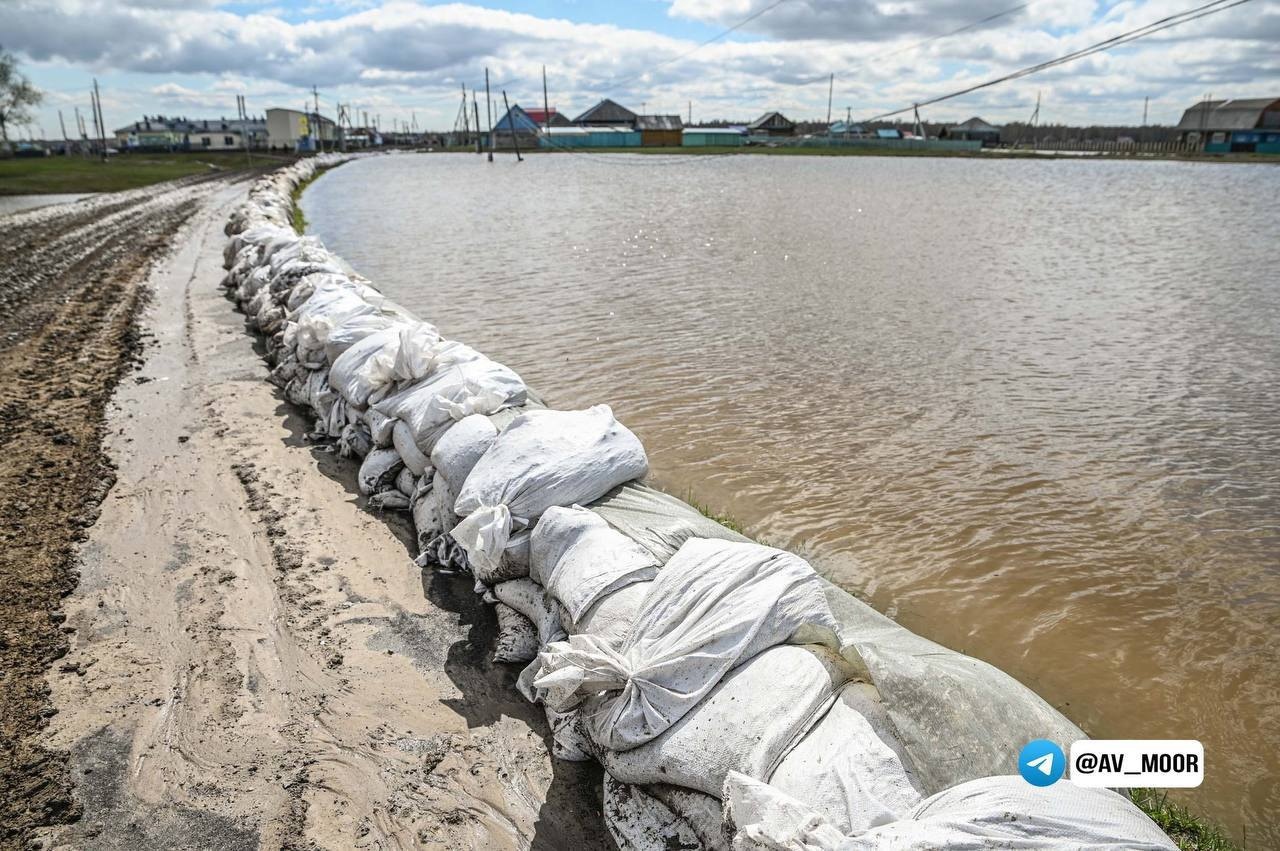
point(228, 140)
point(205, 141)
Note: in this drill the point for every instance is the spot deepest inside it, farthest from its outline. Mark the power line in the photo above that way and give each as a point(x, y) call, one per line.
point(1165, 23)
point(739, 25)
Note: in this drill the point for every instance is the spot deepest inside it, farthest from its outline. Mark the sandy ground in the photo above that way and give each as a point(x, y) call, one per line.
point(254, 660)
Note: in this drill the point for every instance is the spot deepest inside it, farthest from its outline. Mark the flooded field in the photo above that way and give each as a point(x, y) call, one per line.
point(1029, 409)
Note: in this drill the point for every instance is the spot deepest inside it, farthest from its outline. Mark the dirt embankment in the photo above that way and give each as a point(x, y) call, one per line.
point(240, 655)
point(70, 287)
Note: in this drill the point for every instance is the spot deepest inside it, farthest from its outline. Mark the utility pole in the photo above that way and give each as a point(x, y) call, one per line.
point(83, 135)
point(848, 119)
point(66, 143)
point(475, 107)
point(488, 106)
point(243, 108)
point(315, 124)
point(690, 113)
point(1146, 102)
point(515, 138)
point(546, 104)
point(831, 87)
point(102, 129)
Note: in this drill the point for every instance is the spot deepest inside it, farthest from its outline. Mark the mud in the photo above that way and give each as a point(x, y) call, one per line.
point(70, 287)
point(251, 658)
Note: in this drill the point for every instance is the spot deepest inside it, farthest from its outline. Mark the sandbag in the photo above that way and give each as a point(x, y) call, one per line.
point(421, 353)
point(993, 812)
point(745, 724)
point(611, 617)
point(702, 812)
point(847, 768)
point(364, 366)
point(402, 440)
point(957, 718)
point(348, 333)
point(458, 450)
point(517, 638)
point(715, 605)
point(637, 821)
point(431, 406)
point(657, 521)
point(527, 598)
point(542, 459)
point(579, 559)
point(378, 471)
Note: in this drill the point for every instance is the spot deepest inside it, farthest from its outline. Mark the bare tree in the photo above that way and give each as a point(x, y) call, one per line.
point(17, 96)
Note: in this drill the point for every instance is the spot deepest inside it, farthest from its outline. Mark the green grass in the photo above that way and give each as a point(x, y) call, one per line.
point(723, 519)
point(299, 218)
point(48, 175)
point(1190, 832)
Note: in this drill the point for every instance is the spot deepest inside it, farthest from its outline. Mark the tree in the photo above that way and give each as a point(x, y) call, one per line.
point(17, 96)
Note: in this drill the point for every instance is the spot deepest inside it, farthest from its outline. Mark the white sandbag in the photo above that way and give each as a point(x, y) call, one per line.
point(702, 812)
point(308, 286)
point(714, 606)
point(427, 523)
point(402, 440)
point(378, 471)
point(958, 718)
point(744, 724)
point(434, 404)
point(318, 316)
point(517, 638)
point(354, 441)
point(346, 334)
point(380, 427)
point(543, 459)
point(528, 598)
point(846, 767)
point(657, 521)
point(993, 812)
point(568, 743)
point(579, 559)
point(365, 365)
point(407, 482)
point(422, 353)
point(458, 450)
point(611, 618)
point(389, 500)
point(637, 821)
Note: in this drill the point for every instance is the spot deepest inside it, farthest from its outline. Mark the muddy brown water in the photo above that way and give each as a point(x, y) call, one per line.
point(1028, 409)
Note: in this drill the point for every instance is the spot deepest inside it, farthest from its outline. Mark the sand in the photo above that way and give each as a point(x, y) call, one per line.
point(254, 659)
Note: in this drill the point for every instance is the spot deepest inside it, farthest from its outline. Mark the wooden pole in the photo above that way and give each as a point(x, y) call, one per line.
point(546, 104)
point(831, 87)
point(66, 143)
point(515, 138)
point(475, 106)
point(488, 106)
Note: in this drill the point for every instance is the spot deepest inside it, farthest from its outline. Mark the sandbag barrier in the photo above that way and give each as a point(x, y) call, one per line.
point(734, 697)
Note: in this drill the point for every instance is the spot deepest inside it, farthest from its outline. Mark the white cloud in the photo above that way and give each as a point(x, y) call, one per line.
point(401, 57)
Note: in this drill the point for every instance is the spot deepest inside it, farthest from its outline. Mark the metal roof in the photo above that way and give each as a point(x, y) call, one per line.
point(164, 124)
point(974, 125)
point(659, 122)
point(771, 120)
point(1241, 114)
point(606, 112)
point(735, 131)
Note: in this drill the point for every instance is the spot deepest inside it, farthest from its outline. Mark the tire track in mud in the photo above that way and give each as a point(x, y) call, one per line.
point(70, 290)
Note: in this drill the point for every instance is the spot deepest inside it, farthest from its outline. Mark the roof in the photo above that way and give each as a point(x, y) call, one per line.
point(606, 112)
point(517, 120)
point(558, 119)
point(310, 116)
point(163, 124)
point(888, 133)
point(734, 131)
point(1241, 114)
point(586, 131)
point(659, 122)
point(839, 127)
point(974, 125)
point(772, 120)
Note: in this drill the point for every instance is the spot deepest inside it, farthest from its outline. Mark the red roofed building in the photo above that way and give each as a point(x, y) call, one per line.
point(539, 117)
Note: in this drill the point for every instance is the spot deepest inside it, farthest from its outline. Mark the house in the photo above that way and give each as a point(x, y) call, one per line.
point(516, 128)
point(973, 130)
point(888, 133)
point(293, 130)
point(845, 129)
point(703, 137)
point(161, 133)
point(660, 130)
point(548, 117)
point(607, 113)
point(562, 138)
point(1250, 125)
point(772, 124)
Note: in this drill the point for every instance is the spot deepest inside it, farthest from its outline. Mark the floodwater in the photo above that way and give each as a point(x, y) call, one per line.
point(17, 203)
point(1029, 409)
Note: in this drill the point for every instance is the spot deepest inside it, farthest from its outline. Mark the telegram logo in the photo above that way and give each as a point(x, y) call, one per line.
point(1041, 763)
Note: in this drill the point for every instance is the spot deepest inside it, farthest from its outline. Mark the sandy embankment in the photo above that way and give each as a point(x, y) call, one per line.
point(254, 660)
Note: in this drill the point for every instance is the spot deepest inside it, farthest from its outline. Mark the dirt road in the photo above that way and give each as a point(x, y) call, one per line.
point(253, 659)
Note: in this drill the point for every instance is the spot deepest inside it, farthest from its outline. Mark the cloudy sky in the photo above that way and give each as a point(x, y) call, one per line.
point(405, 59)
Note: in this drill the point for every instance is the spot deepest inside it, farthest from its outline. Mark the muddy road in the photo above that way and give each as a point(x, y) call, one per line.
point(207, 639)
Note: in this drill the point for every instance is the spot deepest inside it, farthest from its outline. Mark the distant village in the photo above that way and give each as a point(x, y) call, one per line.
point(1211, 126)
